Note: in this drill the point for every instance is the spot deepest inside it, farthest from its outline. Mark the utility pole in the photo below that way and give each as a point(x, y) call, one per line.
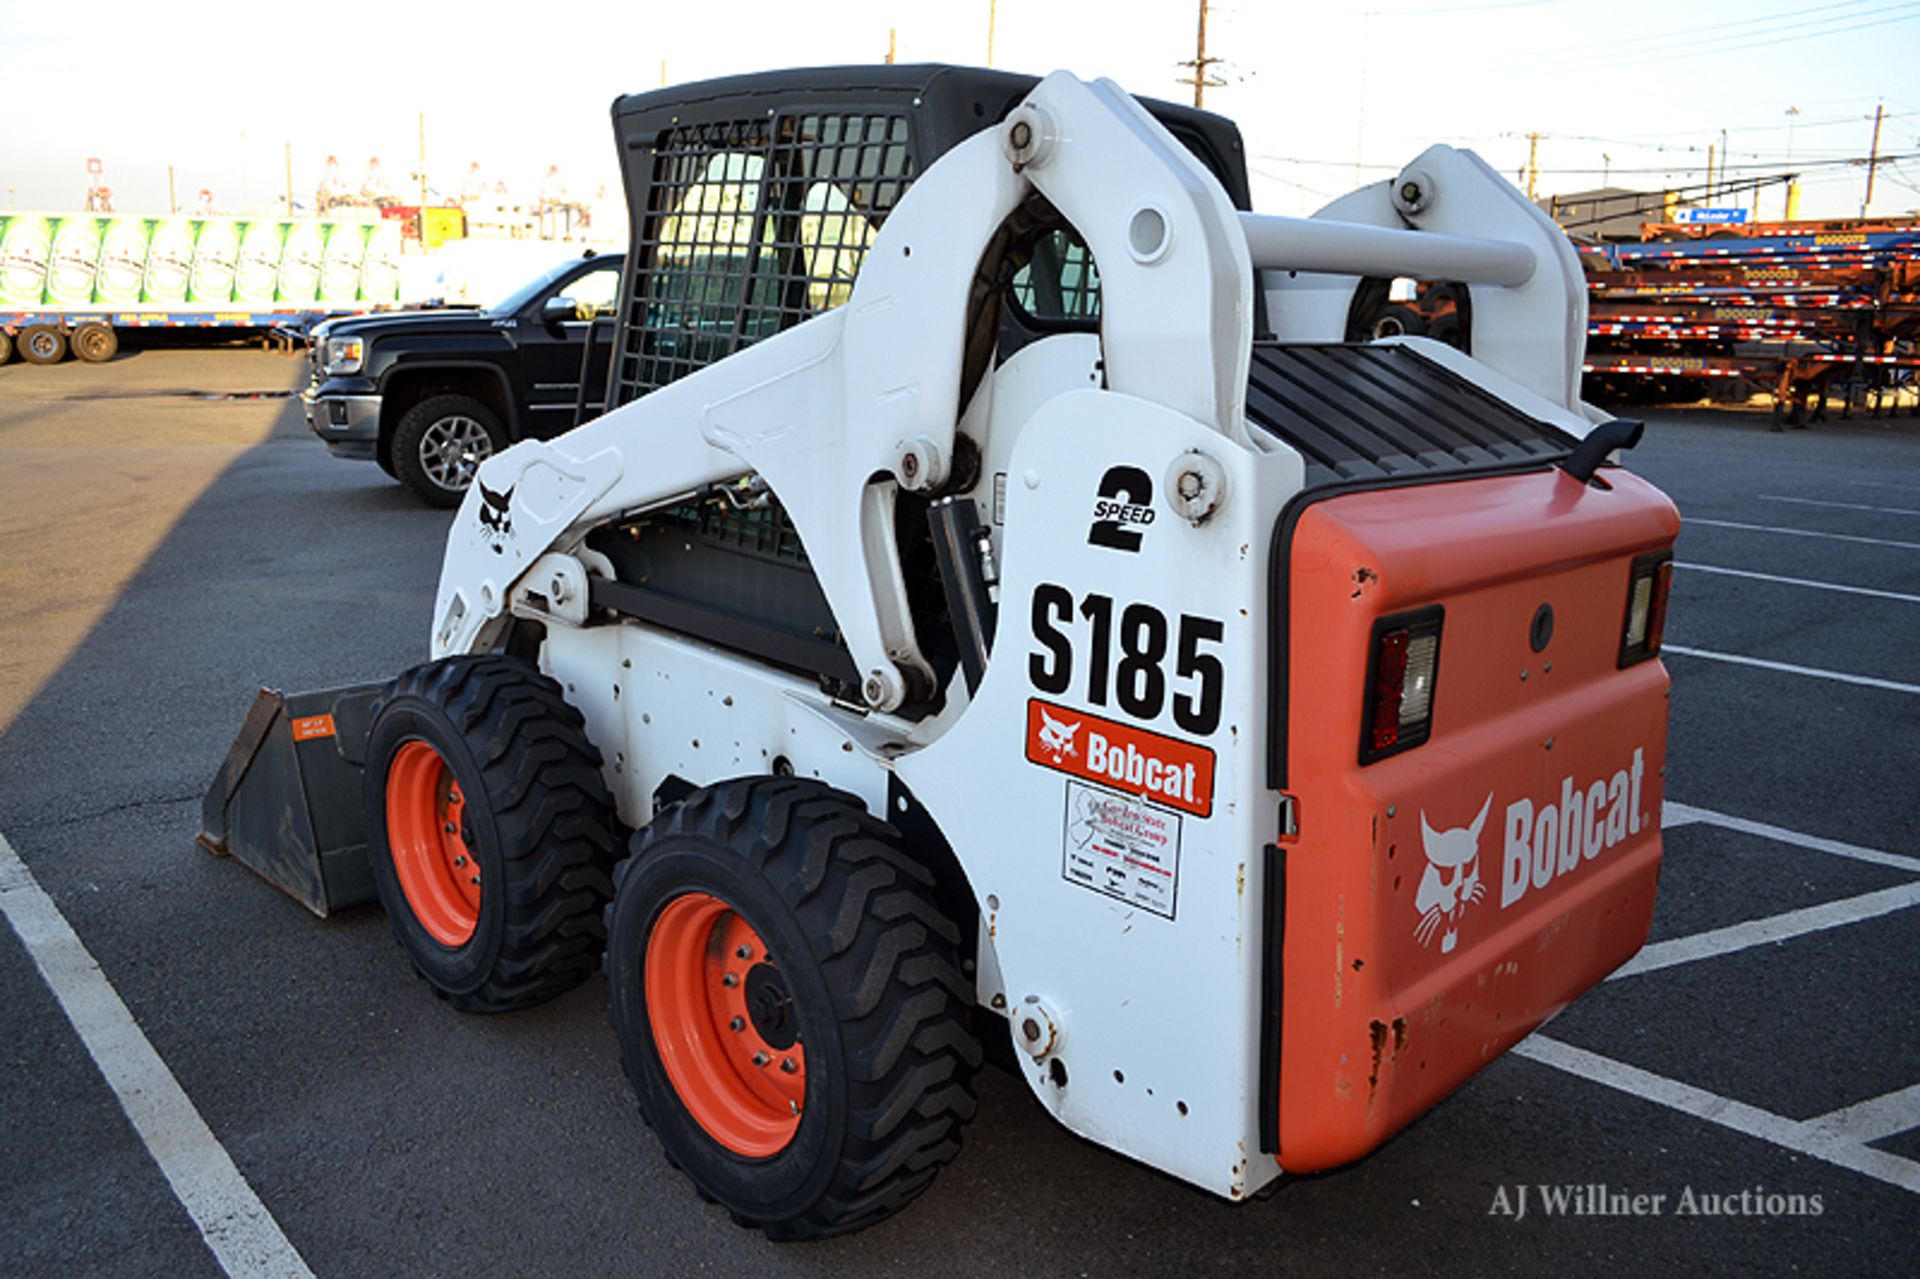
point(1708, 194)
point(1793, 115)
point(1533, 163)
point(1873, 156)
point(289, 179)
point(173, 206)
point(423, 159)
point(893, 34)
point(1200, 63)
point(993, 11)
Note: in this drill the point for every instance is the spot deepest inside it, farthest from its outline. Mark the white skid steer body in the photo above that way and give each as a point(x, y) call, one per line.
point(1126, 696)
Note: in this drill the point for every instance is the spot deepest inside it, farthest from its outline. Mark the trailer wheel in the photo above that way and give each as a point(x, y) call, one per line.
point(42, 344)
point(94, 343)
point(6, 346)
point(790, 1006)
point(490, 831)
point(440, 443)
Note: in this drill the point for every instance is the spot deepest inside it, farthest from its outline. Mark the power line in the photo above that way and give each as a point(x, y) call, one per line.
point(1658, 38)
point(1907, 12)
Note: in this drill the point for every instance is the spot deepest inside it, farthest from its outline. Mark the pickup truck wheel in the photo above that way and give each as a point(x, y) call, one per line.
point(441, 442)
point(491, 833)
point(42, 344)
point(790, 1006)
point(94, 343)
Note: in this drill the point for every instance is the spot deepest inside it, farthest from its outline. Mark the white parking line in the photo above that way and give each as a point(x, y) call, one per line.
point(1882, 484)
point(244, 1237)
point(1844, 506)
point(1803, 532)
point(1672, 814)
point(1774, 928)
point(1805, 1138)
point(1864, 681)
point(1874, 1118)
point(1798, 581)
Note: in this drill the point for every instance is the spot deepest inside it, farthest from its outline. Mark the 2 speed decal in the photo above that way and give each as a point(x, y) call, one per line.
point(1123, 507)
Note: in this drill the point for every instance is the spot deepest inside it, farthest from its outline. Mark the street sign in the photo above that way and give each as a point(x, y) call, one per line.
point(1711, 215)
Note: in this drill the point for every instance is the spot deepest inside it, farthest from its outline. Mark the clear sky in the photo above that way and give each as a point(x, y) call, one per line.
point(1326, 93)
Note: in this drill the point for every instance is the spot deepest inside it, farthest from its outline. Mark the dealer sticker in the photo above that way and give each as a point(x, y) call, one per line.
point(1119, 846)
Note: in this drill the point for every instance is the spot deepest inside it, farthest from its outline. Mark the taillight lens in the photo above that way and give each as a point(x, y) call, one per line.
point(1401, 672)
point(1646, 607)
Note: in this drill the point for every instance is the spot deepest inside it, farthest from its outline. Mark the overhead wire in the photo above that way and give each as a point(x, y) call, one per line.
point(1905, 12)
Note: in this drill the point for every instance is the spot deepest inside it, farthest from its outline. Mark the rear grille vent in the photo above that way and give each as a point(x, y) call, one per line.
point(1368, 413)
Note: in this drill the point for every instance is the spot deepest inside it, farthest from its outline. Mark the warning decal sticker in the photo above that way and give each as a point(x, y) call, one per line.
point(1121, 847)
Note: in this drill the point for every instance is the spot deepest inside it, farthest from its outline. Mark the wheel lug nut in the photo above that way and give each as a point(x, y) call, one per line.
point(787, 1064)
point(460, 860)
point(730, 980)
point(745, 952)
point(475, 881)
point(761, 1059)
point(451, 828)
point(738, 1023)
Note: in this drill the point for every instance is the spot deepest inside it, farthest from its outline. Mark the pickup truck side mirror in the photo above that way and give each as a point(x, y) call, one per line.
point(559, 311)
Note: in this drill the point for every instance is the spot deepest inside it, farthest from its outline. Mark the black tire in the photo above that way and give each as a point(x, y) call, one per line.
point(6, 346)
point(42, 344)
point(1447, 329)
point(440, 442)
point(94, 343)
point(538, 824)
point(1398, 320)
point(870, 971)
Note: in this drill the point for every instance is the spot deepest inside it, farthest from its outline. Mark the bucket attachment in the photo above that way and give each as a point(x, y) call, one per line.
point(287, 802)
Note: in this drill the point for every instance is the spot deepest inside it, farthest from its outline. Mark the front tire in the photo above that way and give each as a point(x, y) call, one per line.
point(440, 444)
point(790, 1006)
point(491, 833)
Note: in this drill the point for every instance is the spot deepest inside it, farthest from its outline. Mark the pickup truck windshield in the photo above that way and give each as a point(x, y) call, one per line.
point(530, 290)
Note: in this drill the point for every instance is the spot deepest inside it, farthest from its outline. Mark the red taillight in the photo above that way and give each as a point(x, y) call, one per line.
point(1657, 613)
point(1400, 679)
point(1389, 676)
point(1646, 621)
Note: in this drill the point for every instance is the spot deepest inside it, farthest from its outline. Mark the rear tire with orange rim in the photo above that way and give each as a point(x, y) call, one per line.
point(491, 833)
point(790, 1005)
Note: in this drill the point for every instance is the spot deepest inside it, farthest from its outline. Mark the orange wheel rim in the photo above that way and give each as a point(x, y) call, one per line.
point(725, 1026)
point(428, 833)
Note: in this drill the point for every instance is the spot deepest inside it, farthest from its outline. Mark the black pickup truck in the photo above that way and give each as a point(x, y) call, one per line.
point(429, 395)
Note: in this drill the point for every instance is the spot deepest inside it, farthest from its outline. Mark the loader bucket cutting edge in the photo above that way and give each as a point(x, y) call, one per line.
point(286, 801)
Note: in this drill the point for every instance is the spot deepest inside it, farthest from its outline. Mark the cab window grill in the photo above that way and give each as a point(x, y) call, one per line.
point(751, 227)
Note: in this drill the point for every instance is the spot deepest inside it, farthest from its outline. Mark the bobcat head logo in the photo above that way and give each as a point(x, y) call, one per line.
point(1056, 737)
point(1451, 881)
point(496, 519)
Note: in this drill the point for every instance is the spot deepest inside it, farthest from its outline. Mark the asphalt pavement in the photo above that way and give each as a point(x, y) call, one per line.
point(166, 550)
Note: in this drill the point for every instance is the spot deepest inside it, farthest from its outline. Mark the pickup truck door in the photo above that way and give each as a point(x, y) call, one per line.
point(553, 335)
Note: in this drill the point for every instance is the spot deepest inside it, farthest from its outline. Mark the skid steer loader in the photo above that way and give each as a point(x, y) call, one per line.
point(1004, 605)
